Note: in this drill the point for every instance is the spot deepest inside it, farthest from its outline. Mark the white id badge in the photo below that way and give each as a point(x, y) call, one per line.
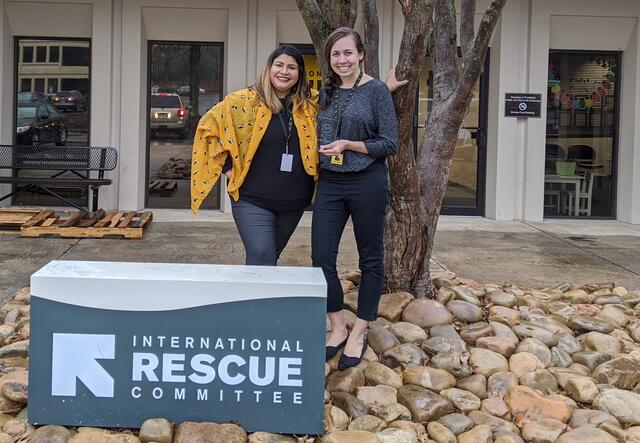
point(286, 164)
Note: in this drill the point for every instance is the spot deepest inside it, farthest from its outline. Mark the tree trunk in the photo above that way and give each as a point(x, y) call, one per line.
point(404, 242)
point(371, 38)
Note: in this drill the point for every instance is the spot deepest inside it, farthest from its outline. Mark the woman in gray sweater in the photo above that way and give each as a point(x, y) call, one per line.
point(357, 130)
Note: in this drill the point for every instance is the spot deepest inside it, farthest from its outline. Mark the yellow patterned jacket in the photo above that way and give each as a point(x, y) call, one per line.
point(235, 127)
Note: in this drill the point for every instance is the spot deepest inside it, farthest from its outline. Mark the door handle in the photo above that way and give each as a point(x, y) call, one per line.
point(481, 138)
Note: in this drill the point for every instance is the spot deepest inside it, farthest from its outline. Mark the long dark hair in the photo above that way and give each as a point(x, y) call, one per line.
point(333, 80)
point(300, 93)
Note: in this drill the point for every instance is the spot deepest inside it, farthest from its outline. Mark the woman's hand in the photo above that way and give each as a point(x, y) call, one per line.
point(392, 82)
point(335, 148)
point(228, 174)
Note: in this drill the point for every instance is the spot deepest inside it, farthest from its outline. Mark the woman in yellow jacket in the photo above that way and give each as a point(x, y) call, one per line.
point(263, 139)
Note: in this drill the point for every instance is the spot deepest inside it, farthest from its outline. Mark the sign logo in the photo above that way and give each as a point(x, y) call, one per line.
point(75, 357)
point(522, 106)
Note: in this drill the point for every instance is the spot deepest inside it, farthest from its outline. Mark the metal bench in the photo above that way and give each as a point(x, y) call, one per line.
point(81, 161)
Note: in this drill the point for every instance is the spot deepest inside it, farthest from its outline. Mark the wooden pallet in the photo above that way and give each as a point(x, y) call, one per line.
point(85, 224)
point(163, 188)
point(15, 217)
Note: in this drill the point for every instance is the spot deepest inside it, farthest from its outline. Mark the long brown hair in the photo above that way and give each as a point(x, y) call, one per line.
point(300, 93)
point(333, 80)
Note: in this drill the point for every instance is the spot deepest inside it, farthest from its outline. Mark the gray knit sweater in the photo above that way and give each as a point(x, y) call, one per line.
point(369, 117)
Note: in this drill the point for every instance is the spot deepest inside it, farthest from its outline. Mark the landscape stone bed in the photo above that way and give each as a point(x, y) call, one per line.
point(482, 363)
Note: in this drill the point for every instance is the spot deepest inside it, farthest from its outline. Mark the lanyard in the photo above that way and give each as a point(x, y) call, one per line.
point(337, 114)
point(287, 134)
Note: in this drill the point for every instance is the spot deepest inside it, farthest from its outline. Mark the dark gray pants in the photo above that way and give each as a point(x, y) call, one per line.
point(264, 233)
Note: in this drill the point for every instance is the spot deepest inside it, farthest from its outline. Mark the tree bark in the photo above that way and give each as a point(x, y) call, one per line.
point(404, 242)
point(452, 94)
point(371, 38)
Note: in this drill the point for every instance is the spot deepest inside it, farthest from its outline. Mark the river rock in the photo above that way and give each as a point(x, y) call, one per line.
point(424, 405)
point(495, 406)
point(267, 437)
point(586, 323)
point(560, 358)
point(487, 363)
point(395, 412)
point(586, 434)
point(409, 333)
point(523, 363)
point(52, 434)
point(502, 345)
point(463, 400)
point(376, 398)
point(465, 293)
point(350, 437)
point(471, 333)
point(189, 432)
point(426, 313)
point(338, 418)
point(345, 381)
point(546, 430)
point(597, 341)
point(406, 355)
point(440, 433)
point(157, 430)
point(501, 299)
point(457, 423)
point(476, 384)
point(623, 405)
point(392, 305)
point(590, 417)
point(524, 401)
point(527, 330)
point(368, 423)
point(581, 389)
point(540, 380)
point(500, 384)
point(378, 374)
point(479, 434)
point(434, 379)
point(381, 339)
point(394, 435)
point(349, 404)
point(591, 359)
point(495, 423)
point(465, 311)
point(623, 373)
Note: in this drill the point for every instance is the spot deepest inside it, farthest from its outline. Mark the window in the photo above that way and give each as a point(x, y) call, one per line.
point(580, 148)
point(27, 54)
point(52, 86)
point(54, 54)
point(75, 56)
point(41, 54)
point(25, 85)
point(185, 81)
point(67, 121)
point(39, 85)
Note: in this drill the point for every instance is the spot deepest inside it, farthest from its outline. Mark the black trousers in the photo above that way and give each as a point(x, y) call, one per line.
point(364, 197)
point(264, 233)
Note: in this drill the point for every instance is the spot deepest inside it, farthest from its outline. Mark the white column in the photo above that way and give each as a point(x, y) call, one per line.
point(6, 91)
point(535, 129)
point(628, 183)
point(132, 117)
point(508, 60)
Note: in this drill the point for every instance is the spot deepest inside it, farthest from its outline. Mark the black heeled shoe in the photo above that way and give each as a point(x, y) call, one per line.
point(346, 362)
point(331, 351)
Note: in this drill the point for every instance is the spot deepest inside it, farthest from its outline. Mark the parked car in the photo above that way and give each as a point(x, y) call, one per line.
point(168, 113)
point(34, 96)
point(40, 123)
point(70, 100)
point(186, 90)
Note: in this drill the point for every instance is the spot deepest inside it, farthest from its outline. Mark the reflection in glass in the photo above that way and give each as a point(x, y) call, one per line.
point(462, 188)
point(579, 149)
point(185, 81)
point(43, 116)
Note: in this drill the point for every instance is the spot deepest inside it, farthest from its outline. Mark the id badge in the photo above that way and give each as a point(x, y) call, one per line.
point(337, 159)
point(286, 164)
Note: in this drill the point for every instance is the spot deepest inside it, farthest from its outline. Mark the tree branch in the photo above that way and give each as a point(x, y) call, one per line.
point(467, 33)
point(474, 60)
point(339, 13)
point(446, 70)
point(371, 37)
point(318, 26)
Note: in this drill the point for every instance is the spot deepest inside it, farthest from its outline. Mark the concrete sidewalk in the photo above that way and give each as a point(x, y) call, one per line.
point(540, 254)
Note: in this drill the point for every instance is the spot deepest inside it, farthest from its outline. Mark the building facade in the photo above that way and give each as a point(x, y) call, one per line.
point(143, 71)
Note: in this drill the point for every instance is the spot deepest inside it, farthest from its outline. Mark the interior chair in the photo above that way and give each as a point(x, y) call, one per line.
point(583, 199)
point(585, 157)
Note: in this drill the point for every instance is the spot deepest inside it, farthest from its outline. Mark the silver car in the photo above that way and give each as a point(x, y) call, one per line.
point(168, 114)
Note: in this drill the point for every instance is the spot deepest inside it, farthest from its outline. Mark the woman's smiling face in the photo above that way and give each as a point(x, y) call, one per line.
point(284, 74)
point(345, 58)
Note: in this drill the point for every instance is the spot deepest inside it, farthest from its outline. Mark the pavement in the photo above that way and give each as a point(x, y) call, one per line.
point(489, 251)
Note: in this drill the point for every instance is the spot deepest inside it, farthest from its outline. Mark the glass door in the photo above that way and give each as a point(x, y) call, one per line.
point(582, 121)
point(185, 81)
point(465, 189)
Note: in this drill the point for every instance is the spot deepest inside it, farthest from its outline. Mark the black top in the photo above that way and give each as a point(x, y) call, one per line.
point(268, 187)
point(369, 116)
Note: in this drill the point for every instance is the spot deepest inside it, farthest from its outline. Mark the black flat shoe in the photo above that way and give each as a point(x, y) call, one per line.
point(331, 351)
point(346, 362)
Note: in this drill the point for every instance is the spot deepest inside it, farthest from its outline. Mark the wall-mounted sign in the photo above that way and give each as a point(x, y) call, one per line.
point(113, 344)
point(522, 105)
